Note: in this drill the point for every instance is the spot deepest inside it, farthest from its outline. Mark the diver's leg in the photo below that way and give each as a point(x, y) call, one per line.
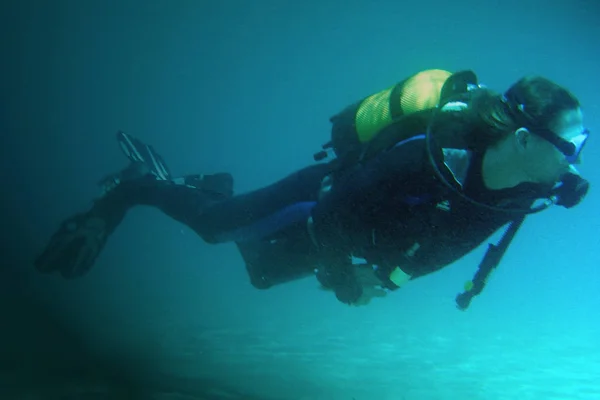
point(269, 225)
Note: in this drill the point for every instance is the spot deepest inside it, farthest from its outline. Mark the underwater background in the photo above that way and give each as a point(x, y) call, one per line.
point(247, 87)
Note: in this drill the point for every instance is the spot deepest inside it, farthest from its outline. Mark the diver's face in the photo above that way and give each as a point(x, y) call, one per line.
point(544, 163)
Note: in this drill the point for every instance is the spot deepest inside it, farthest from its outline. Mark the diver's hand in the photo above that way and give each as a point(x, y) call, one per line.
point(340, 279)
point(353, 284)
point(356, 287)
point(572, 191)
point(369, 294)
point(349, 293)
point(371, 285)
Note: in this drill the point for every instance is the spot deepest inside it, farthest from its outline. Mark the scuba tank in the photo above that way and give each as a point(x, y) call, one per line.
point(355, 128)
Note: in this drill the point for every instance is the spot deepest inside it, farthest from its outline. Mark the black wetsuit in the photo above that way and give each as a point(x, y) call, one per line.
point(391, 210)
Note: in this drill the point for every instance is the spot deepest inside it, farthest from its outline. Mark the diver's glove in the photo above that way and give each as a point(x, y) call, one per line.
point(74, 247)
point(336, 273)
point(339, 277)
point(572, 190)
point(372, 287)
point(355, 285)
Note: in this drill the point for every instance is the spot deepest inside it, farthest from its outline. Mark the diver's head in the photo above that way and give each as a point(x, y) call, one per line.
point(539, 133)
point(550, 134)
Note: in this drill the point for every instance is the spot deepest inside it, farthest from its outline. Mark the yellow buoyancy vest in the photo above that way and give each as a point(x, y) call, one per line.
point(419, 92)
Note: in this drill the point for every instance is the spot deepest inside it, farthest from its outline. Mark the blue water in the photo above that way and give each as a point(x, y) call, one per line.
point(247, 88)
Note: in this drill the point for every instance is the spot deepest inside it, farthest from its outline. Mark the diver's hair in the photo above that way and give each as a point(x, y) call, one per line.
point(489, 119)
point(532, 102)
point(541, 99)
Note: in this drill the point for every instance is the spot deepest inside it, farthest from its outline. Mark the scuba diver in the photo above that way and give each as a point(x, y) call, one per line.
point(414, 178)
